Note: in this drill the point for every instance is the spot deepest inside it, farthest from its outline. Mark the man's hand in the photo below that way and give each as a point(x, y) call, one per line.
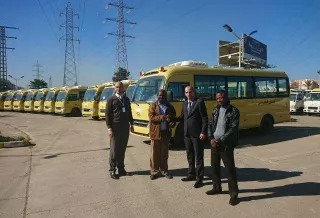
point(214, 143)
point(172, 124)
point(202, 136)
point(110, 133)
point(131, 128)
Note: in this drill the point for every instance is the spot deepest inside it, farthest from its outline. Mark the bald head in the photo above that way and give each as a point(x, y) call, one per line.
point(118, 87)
point(189, 92)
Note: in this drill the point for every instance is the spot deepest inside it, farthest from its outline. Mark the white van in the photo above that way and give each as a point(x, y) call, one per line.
point(296, 102)
point(312, 103)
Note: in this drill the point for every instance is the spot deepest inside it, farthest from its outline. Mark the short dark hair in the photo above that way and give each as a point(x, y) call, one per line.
point(223, 92)
point(162, 91)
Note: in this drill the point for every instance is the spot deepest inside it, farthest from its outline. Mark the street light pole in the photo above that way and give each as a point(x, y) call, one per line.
point(16, 79)
point(240, 40)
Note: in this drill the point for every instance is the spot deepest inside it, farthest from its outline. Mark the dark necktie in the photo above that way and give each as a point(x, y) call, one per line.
point(189, 107)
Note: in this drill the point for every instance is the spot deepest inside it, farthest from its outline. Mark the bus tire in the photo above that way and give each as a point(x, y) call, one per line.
point(300, 111)
point(75, 112)
point(266, 125)
point(96, 118)
point(179, 136)
point(309, 114)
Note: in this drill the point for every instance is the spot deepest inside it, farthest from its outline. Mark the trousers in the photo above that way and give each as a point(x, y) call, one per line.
point(118, 146)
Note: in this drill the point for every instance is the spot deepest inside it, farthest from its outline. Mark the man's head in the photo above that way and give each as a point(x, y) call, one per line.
point(162, 96)
point(118, 88)
point(222, 98)
point(189, 92)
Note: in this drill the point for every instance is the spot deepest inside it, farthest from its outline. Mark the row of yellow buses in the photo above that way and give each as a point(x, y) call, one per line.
point(262, 96)
point(75, 101)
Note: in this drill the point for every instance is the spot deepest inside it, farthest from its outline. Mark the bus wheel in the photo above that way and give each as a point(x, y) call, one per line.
point(266, 125)
point(309, 114)
point(75, 112)
point(96, 118)
point(300, 111)
point(179, 136)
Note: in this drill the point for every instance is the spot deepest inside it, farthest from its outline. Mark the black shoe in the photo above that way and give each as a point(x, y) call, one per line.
point(198, 183)
point(124, 173)
point(113, 175)
point(169, 176)
point(234, 201)
point(153, 177)
point(213, 192)
point(189, 178)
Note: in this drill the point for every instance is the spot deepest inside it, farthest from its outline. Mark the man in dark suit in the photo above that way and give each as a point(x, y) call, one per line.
point(195, 118)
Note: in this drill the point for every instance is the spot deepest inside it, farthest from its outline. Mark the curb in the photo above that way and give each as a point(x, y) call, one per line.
point(12, 144)
point(28, 135)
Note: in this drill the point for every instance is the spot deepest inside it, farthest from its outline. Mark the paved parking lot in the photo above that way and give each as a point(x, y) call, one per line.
point(66, 174)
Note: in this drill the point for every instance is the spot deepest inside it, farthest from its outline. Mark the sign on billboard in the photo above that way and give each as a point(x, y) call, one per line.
point(254, 50)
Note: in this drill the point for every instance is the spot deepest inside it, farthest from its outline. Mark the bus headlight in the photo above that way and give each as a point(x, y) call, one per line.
point(92, 110)
point(148, 125)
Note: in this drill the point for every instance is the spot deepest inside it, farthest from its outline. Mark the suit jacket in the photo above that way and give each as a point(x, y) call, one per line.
point(196, 122)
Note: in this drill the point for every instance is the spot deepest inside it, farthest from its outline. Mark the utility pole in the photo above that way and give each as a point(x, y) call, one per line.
point(70, 77)
point(37, 70)
point(3, 57)
point(50, 82)
point(121, 51)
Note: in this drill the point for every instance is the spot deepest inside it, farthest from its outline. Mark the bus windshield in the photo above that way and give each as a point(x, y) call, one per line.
point(129, 91)
point(39, 96)
point(106, 94)
point(61, 96)
point(49, 96)
point(29, 96)
point(18, 97)
point(293, 97)
point(9, 97)
point(313, 97)
point(89, 95)
point(146, 89)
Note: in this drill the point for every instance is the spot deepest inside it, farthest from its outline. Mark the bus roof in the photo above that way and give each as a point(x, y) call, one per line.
point(67, 88)
point(197, 67)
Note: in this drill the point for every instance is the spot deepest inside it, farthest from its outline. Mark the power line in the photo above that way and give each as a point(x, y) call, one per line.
point(45, 14)
point(121, 50)
point(70, 76)
point(37, 70)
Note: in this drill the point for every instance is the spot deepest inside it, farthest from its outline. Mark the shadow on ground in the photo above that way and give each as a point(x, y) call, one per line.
point(279, 134)
point(296, 189)
point(49, 156)
point(244, 174)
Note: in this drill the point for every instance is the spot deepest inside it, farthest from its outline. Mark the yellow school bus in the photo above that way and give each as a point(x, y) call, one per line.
point(90, 104)
point(105, 95)
point(129, 87)
point(30, 98)
point(8, 101)
point(2, 99)
point(51, 100)
point(261, 96)
point(18, 101)
point(69, 100)
point(39, 100)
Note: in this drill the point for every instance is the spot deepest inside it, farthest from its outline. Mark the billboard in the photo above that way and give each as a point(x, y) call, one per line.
point(228, 53)
point(254, 50)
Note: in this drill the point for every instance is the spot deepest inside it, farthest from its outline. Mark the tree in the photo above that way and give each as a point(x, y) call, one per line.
point(314, 85)
point(294, 85)
point(120, 74)
point(308, 83)
point(38, 84)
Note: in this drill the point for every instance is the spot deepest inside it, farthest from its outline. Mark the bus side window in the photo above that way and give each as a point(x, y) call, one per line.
point(81, 94)
point(240, 87)
point(72, 97)
point(177, 88)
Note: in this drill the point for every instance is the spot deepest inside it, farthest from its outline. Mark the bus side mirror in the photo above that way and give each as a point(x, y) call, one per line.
point(169, 95)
